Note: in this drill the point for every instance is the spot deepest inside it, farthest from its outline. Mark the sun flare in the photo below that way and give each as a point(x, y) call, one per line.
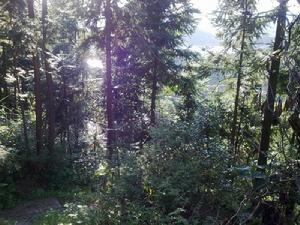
point(94, 63)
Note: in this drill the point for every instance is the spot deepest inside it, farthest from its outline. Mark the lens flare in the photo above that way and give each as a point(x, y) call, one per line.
point(94, 63)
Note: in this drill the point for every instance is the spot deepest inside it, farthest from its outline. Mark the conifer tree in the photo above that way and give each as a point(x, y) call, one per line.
point(49, 81)
point(240, 28)
point(268, 114)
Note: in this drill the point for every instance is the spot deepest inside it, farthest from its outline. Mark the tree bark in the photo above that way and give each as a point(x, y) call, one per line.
point(153, 93)
point(109, 94)
point(49, 81)
point(38, 104)
point(37, 90)
point(271, 94)
point(24, 117)
point(5, 91)
point(238, 143)
point(2, 75)
point(30, 5)
point(16, 84)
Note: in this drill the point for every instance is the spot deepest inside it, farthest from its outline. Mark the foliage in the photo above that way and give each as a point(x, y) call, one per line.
point(148, 141)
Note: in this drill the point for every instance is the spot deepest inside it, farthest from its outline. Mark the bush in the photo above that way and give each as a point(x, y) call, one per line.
point(181, 176)
point(185, 167)
point(9, 168)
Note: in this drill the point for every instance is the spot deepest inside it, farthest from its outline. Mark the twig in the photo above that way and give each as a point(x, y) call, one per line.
point(252, 213)
point(3, 6)
point(290, 29)
point(237, 212)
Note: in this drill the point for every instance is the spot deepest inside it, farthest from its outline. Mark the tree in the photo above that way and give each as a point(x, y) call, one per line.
point(49, 80)
point(239, 77)
point(268, 116)
point(109, 94)
point(38, 103)
point(240, 28)
point(161, 28)
point(30, 5)
point(37, 87)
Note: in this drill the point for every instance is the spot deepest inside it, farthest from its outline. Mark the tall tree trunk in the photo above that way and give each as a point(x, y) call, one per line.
point(5, 90)
point(2, 76)
point(238, 83)
point(30, 5)
point(238, 143)
point(109, 94)
point(38, 104)
point(153, 92)
point(22, 103)
point(49, 81)
point(76, 135)
point(37, 90)
point(271, 94)
point(16, 83)
point(69, 142)
point(65, 113)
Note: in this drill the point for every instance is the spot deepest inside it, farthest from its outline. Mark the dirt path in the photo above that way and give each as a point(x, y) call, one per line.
point(25, 212)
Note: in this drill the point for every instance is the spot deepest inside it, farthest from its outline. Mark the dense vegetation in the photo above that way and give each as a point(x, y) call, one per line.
point(104, 106)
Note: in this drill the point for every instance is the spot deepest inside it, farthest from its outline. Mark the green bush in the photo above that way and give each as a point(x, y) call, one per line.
point(9, 169)
point(53, 218)
point(185, 167)
point(180, 177)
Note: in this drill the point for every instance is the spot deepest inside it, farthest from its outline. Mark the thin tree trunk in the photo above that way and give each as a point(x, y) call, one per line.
point(109, 94)
point(37, 90)
point(76, 135)
point(271, 94)
point(16, 83)
point(2, 76)
point(24, 118)
point(5, 92)
point(30, 5)
point(65, 113)
point(49, 81)
point(238, 143)
point(24, 111)
point(38, 104)
point(69, 142)
point(238, 83)
point(15, 100)
point(153, 93)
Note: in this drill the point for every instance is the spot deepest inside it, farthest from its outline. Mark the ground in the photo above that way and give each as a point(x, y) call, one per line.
point(25, 212)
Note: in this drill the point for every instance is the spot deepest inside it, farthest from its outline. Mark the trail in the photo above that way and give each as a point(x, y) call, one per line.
point(25, 212)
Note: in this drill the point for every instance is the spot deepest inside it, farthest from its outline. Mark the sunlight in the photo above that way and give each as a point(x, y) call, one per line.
point(209, 6)
point(94, 63)
point(122, 3)
point(205, 15)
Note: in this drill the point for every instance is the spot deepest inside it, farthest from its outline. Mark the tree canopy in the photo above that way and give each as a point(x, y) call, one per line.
point(106, 109)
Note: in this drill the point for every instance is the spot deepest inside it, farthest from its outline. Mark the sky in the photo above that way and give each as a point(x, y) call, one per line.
point(204, 35)
point(205, 32)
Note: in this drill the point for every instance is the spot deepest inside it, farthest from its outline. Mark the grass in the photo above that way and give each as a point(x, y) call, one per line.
point(6, 222)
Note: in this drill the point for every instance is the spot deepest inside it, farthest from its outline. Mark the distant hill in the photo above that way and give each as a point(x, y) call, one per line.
point(202, 38)
point(205, 39)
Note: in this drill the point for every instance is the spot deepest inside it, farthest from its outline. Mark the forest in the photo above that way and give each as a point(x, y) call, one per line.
point(110, 116)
